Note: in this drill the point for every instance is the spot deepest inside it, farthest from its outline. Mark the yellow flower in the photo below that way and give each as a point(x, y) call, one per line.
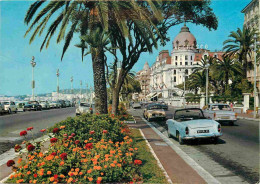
point(49, 172)
point(90, 179)
point(70, 180)
point(62, 127)
point(51, 179)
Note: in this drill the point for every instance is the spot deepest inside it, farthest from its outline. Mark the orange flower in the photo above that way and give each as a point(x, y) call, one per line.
point(15, 175)
point(19, 160)
point(90, 179)
point(105, 166)
point(77, 169)
point(34, 181)
point(97, 156)
point(83, 156)
point(62, 127)
point(43, 163)
point(89, 171)
point(41, 173)
point(51, 179)
point(102, 174)
point(119, 165)
point(61, 163)
point(99, 179)
point(106, 159)
point(49, 172)
point(86, 141)
point(89, 153)
point(115, 162)
point(40, 154)
point(70, 180)
point(28, 172)
point(80, 173)
point(25, 167)
point(136, 149)
point(112, 165)
point(90, 138)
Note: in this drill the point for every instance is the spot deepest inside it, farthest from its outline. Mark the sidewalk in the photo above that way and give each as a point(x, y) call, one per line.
point(247, 116)
point(177, 169)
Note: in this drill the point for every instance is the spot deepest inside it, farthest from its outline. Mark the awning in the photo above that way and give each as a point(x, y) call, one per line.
point(158, 95)
point(150, 95)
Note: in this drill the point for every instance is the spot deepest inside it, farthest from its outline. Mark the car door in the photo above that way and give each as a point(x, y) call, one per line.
point(12, 106)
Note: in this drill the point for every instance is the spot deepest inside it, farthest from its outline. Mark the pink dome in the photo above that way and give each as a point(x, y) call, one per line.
point(184, 39)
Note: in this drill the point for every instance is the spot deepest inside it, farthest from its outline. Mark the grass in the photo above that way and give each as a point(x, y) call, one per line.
point(150, 170)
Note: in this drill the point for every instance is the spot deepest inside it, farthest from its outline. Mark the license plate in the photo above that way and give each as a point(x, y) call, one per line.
point(225, 117)
point(203, 131)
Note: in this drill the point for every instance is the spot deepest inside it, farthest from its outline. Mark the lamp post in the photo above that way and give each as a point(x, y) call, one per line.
point(254, 48)
point(86, 92)
point(80, 88)
point(58, 74)
point(33, 63)
point(207, 81)
point(71, 80)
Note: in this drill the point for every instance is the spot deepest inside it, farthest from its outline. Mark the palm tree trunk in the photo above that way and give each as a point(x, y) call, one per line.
point(99, 81)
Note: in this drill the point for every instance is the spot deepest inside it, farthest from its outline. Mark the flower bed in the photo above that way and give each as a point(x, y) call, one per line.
point(89, 148)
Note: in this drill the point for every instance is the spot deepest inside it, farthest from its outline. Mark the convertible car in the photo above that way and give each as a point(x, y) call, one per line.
point(190, 123)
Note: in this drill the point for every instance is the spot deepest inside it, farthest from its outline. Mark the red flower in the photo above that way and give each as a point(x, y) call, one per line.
point(70, 137)
point(138, 162)
point(92, 132)
point(29, 128)
point(55, 176)
point(54, 153)
point(53, 140)
point(23, 133)
point(55, 130)
point(10, 163)
point(112, 115)
point(97, 113)
point(98, 181)
point(104, 131)
point(35, 175)
point(77, 142)
point(43, 130)
point(17, 148)
point(65, 135)
point(73, 134)
point(63, 156)
point(30, 147)
point(89, 146)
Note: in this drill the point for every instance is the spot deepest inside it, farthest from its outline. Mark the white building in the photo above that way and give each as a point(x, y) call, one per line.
point(168, 71)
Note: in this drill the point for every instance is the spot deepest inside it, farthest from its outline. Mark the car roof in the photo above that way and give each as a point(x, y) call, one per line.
point(188, 109)
point(218, 104)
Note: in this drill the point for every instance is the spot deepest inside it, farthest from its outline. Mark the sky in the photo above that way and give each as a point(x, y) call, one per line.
point(16, 52)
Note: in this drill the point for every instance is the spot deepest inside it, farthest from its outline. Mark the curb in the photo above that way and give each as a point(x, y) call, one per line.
point(157, 159)
point(252, 119)
point(201, 171)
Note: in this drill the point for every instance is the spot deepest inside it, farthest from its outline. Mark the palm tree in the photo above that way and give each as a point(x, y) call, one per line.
point(239, 46)
point(202, 65)
point(227, 68)
point(85, 17)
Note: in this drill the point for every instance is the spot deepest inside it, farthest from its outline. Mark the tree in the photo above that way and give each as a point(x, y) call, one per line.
point(86, 17)
point(174, 12)
point(226, 69)
point(239, 46)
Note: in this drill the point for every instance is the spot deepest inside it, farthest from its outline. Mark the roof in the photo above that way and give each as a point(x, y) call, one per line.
point(185, 38)
point(146, 66)
point(249, 4)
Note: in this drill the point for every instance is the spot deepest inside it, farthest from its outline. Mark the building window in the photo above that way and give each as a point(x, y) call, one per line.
point(186, 63)
point(190, 57)
point(186, 72)
point(176, 58)
point(176, 63)
point(174, 72)
point(174, 79)
point(186, 57)
point(215, 56)
point(180, 63)
point(190, 63)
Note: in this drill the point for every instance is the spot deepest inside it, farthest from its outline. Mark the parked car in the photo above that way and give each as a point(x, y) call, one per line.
point(2, 108)
point(45, 104)
point(55, 104)
point(68, 104)
point(164, 106)
point(33, 106)
point(220, 113)
point(190, 123)
point(62, 103)
point(154, 112)
point(84, 108)
point(20, 106)
point(9, 107)
point(136, 105)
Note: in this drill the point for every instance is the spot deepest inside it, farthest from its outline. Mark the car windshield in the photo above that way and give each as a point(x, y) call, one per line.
point(221, 108)
point(154, 107)
point(188, 114)
point(33, 102)
point(84, 104)
point(6, 103)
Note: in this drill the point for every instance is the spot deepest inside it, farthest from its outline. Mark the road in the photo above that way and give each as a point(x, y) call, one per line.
point(12, 124)
point(234, 159)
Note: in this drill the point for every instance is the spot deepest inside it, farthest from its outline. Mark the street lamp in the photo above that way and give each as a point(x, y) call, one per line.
point(71, 80)
point(33, 63)
point(86, 92)
point(207, 81)
point(184, 87)
point(254, 48)
point(58, 74)
point(80, 88)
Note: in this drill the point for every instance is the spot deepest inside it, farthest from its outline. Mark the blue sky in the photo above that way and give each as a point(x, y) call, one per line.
point(16, 53)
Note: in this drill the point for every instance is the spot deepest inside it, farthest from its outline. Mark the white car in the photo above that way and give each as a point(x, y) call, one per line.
point(55, 104)
point(220, 113)
point(9, 106)
point(190, 123)
point(20, 106)
point(136, 105)
point(84, 108)
point(2, 108)
point(45, 104)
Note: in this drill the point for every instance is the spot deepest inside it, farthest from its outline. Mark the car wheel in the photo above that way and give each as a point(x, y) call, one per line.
point(168, 133)
point(15, 110)
point(9, 111)
point(215, 140)
point(148, 119)
point(180, 139)
point(231, 123)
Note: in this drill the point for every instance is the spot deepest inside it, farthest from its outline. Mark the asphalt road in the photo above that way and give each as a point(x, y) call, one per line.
point(11, 125)
point(237, 151)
